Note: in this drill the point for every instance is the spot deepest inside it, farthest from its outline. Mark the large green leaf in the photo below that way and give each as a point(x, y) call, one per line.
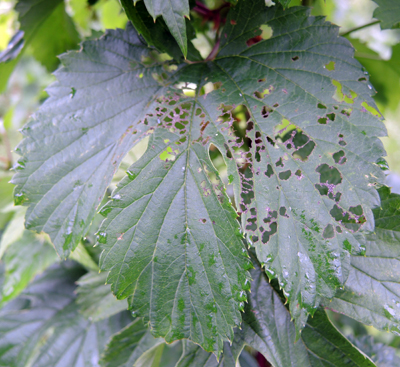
point(171, 241)
point(42, 327)
point(95, 299)
point(174, 13)
point(24, 259)
point(388, 12)
point(48, 30)
point(267, 328)
point(76, 140)
point(308, 189)
point(372, 292)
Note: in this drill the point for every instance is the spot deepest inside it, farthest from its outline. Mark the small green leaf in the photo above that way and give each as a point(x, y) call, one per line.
point(388, 12)
point(371, 294)
point(95, 300)
point(171, 240)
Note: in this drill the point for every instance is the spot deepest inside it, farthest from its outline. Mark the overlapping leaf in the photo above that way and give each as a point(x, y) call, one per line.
point(95, 299)
point(194, 356)
point(171, 241)
point(47, 28)
point(129, 346)
point(267, 327)
point(372, 292)
point(306, 187)
point(74, 143)
point(42, 327)
point(174, 13)
point(388, 12)
point(381, 354)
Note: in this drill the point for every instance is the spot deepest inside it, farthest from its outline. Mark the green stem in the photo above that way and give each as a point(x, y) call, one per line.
point(360, 27)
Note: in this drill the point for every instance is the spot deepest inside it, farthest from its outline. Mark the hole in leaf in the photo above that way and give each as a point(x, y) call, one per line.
point(321, 106)
point(329, 232)
point(331, 116)
point(265, 112)
point(322, 120)
point(329, 175)
point(330, 66)
point(363, 79)
point(304, 153)
point(203, 220)
point(269, 172)
point(282, 212)
point(339, 157)
point(285, 175)
point(268, 234)
point(295, 58)
point(279, 162)
point(371, 109)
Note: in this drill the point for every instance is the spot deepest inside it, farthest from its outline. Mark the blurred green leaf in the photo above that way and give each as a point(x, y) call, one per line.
point(95, 298)
point(42, 327)
point(388, 12)
point(383, 74)
point(25, 258)
point(48, 31)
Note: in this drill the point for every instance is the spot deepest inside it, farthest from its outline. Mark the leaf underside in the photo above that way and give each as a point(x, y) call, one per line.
point(305, 186)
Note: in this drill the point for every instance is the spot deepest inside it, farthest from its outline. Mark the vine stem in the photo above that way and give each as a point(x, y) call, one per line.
point(360, 27)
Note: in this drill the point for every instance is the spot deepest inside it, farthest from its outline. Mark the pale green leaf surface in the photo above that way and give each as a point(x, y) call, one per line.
point(171, 239)
point(388, 12)
point(25, 258)
point(371, 294)
point(42, 327)
point(268, 329)
point(95, 300)
point(309, 187)
point(174, 13)
point(74, 143)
